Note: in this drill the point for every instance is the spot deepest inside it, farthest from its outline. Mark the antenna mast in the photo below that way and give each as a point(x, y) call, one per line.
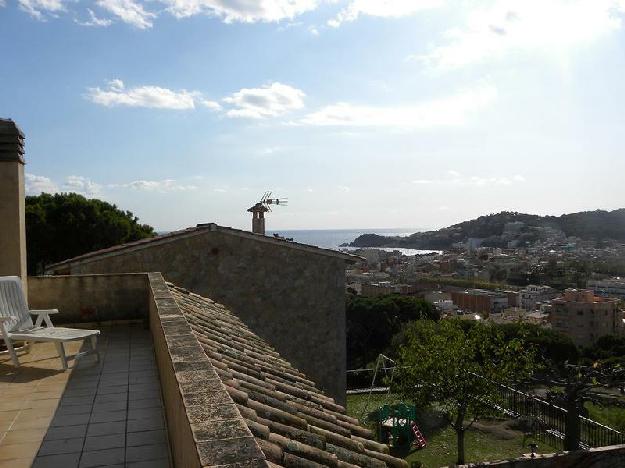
point(260, 208)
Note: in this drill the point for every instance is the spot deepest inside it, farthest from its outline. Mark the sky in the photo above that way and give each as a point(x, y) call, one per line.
point(363, 113)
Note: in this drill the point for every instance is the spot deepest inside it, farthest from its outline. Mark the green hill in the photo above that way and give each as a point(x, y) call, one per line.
point(497, 230)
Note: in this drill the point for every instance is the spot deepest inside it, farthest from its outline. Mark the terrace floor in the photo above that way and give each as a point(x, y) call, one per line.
point(105, 414)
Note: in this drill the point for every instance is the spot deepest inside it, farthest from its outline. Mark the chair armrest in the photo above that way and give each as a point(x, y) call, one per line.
point(44, 311)
point(44, 316)
point(4, 319)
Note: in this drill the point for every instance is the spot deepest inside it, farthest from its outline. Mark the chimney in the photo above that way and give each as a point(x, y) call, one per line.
point(258, 218)
point(13, 230)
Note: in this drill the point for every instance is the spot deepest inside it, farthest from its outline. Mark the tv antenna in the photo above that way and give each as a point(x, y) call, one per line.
point(260, 208)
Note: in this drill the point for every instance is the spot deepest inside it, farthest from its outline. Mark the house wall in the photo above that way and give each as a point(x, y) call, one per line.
point(12, 232)
point(294, 299)
point(90, 298)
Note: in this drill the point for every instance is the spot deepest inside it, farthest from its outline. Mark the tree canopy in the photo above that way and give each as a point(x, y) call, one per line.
point(459, 369)
point(65, 225)
point(373, 321)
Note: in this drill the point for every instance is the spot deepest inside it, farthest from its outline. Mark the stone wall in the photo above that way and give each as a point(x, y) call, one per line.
point(90, 298)
point(601, 457)
point(293, 298)
point(204, 425)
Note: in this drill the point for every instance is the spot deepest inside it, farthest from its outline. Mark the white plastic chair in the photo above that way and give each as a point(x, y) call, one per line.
point(16, 324)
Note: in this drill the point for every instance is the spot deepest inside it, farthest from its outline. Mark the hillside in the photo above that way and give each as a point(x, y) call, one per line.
point(498, 230)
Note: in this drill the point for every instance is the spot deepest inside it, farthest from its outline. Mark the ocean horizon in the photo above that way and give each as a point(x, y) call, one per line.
point(334, 238)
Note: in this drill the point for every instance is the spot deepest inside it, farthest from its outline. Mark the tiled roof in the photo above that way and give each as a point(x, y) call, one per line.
point(200, 228)
point(294, 423)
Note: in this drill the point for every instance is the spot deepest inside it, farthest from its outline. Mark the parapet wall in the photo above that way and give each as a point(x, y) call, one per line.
point(612, 456)
point(205, 427)
point(90, 298)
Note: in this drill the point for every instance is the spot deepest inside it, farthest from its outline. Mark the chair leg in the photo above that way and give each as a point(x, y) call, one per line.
point(9, 345)
point(12, 352)
point(94, 347)
point(61, 350)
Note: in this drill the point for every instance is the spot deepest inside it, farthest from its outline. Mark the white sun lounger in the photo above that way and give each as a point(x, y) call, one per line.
point(17, 325)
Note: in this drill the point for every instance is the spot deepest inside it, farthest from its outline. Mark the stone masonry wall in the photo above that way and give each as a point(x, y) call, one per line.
point(601, 457)
point(292, 298)
point(90, 298)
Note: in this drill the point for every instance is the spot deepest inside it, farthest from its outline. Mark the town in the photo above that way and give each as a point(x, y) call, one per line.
point(564, 283)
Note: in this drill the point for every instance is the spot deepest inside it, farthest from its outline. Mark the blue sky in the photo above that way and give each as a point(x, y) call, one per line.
point(364, 113)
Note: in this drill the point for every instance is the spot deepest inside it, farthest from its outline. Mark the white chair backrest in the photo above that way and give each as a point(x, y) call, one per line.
point(13, 303)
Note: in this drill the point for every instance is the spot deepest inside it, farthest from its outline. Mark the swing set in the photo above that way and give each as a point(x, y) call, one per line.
point(396, 422)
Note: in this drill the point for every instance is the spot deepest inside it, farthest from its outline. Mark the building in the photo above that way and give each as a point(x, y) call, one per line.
point(280, 289)
point(612, 287)
point(480, 301)
point(532, 295)
point(585, 317)
point(386, 287)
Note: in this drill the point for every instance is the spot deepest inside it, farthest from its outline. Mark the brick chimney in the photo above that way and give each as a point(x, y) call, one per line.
point(12, 221)
point(258, 218)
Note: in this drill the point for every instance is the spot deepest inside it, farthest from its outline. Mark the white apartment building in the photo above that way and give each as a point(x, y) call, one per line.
point(534, 294)
point(612, 287)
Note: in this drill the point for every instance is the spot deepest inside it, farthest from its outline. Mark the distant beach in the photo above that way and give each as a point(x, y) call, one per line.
point(333, 238)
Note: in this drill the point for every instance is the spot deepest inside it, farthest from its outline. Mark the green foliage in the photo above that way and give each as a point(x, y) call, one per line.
point(552, 347)
point(371, 323)
point(597, 225)
point(65, 225)
point(459, 368)
point(608, 350)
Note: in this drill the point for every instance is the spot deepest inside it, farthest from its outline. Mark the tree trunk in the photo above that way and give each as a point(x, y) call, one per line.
point(459, 427)
point(460, 436)
point(573, 429)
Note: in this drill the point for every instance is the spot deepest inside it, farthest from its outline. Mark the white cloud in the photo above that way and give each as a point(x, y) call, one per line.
point(167, 185)
point(38, 184)
point(270, 100)
point(244, 11)
point(94, 20)
point(456, 178)
point(39, 8)
point(81, 185)
point(142, 96)
point(129, 12)
point(527, 25)
point(448, 111)
point(213, 105)
point(2, 3)
point(381, 8)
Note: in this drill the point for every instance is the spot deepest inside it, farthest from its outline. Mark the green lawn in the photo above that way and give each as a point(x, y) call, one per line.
point(481, 445)
point(612, 416)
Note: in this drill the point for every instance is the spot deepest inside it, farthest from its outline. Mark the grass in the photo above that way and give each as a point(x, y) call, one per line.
point(489, 443)
point(611, 416)
point(479, 446)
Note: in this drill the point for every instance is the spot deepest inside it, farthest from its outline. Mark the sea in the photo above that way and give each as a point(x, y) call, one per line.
point(334, 238)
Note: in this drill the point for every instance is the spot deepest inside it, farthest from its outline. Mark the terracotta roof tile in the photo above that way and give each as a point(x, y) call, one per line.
point(293, 422)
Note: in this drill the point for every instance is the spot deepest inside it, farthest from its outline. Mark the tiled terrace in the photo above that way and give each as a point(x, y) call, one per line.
point(106, 414)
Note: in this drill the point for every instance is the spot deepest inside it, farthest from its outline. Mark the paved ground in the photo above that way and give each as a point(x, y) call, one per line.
point(106, 414)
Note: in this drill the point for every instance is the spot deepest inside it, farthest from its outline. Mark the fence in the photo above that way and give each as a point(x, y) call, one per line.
point(548, 421)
